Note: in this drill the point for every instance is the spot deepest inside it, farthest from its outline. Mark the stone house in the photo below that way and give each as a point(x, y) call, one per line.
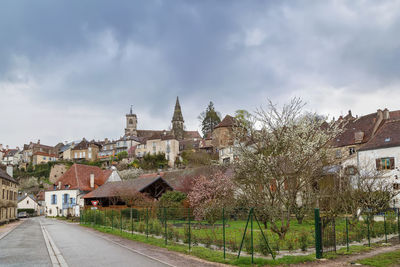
point(157, 144)
point(85, 150)
point(37, 153)
point(8, 197)
point(66, 197)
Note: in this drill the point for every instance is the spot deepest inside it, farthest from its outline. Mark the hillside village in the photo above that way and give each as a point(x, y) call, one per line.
point(174, 155)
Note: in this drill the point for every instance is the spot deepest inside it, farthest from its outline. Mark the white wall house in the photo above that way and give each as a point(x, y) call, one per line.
point(382, 153)
point(66, 197)
point(27, 202)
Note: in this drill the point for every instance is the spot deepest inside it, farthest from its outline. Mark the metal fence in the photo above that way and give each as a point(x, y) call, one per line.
point(365, 229)
point(237, 232)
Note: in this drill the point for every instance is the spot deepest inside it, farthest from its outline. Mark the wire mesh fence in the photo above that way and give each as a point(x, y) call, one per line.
point(241, 232)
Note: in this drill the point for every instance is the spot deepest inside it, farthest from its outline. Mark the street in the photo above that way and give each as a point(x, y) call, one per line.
point(67, 245)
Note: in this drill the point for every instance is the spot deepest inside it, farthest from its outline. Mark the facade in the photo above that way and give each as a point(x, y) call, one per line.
point(158, 144)
point(43, 157)
point(357, 132)
point(382, 154)
point(85, 150)
point(8, 197)
point(26, 201)
point(40, 151)
point(66, 197)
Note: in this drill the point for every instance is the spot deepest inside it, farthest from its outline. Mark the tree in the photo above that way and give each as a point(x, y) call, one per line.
point(368, 192)
point(281, 154)
point(122, 155)
point(210, 194)
point(209, 119)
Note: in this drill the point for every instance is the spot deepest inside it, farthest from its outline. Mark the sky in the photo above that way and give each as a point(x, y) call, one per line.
point(71, 69)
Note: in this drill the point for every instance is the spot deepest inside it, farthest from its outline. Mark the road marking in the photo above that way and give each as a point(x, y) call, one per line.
point(55, 255)
point(123, 246)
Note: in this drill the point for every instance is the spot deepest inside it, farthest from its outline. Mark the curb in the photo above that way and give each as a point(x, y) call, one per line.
point(10, 230)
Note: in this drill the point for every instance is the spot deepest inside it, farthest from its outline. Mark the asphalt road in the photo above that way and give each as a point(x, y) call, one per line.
point(26, 246)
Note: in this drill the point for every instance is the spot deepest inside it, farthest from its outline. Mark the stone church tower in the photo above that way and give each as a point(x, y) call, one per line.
point(177, 122)
point(131, 124)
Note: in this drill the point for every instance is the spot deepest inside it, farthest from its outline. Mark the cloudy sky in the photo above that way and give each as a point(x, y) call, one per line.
point(71, 69)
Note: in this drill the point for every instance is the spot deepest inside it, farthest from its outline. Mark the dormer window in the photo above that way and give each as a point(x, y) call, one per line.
point(66, 186)
point(387, 139)
point(352, 150)
point(54, 186)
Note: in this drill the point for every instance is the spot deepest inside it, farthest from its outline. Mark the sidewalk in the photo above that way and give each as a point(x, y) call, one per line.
point(7, 228)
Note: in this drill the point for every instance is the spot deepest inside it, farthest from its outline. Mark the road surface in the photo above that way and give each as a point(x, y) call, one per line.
point(49, 242)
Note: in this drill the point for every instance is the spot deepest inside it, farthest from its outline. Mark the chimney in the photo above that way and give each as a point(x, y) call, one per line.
point(386, 114)
point(91, 180)
point(379, 118)
point(9, 170)
point(59, 185)
point(38, 141)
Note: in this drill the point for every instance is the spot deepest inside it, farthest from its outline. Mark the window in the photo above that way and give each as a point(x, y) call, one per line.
point(53, 199)
point(396, 186)
point(83, 154)
point(44, 158)
point(65, 200)
point(352, 150)
point(80, 155)
point(76, 154)
point(385, 163)
point(27, 202)
point(338, 154)
point(4, 193)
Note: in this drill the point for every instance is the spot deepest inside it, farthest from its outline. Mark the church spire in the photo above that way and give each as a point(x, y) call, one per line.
point(177, 122)
point(177, 112)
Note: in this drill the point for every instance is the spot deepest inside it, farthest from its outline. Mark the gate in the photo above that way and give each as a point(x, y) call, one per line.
point(328, 234)
point(325, 234)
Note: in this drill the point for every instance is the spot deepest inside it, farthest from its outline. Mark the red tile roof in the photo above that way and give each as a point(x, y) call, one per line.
point(387, 136)
point(228, 121)
point(78, 177)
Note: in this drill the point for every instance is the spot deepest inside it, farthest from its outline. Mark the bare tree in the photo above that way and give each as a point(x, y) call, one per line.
point(281, 155)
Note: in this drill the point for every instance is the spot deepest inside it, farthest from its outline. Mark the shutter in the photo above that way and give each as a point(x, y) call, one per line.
point(55, 199)
point(378, 164)
point(391, 163)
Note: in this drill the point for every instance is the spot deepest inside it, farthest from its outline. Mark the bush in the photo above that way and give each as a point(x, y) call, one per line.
point(303, 239)
point(28, 211)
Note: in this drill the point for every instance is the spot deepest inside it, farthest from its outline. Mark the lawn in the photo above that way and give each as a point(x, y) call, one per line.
point(300, 236)
point(383, 260)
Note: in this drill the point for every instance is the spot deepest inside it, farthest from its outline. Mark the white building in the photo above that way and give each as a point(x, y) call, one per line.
point(66, 197)
point(26, 201)
point(382, 153)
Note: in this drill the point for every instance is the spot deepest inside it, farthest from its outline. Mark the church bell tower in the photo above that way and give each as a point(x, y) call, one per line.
point(131, 124)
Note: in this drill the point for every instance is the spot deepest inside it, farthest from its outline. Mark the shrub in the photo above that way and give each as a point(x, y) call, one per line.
point(303, 239)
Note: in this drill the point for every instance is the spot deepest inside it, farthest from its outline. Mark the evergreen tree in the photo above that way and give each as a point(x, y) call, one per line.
point(209, 119)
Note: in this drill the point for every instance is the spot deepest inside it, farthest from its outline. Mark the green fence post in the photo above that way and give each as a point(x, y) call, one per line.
point(251, 233)
point(347, 234)
point(189, 230)
point(318, 236)
point(165, 226)
point(244, 234)
point(147, 222)
point(120, 221)
point(369, 237)
point(223, 230)
point(384, 226)
point(131, 221)
point(398, 222)
point(112, 219)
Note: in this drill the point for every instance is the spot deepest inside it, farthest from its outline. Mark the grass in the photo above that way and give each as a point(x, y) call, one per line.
point(204, 253)
point(299, 235)
point(383, 260)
